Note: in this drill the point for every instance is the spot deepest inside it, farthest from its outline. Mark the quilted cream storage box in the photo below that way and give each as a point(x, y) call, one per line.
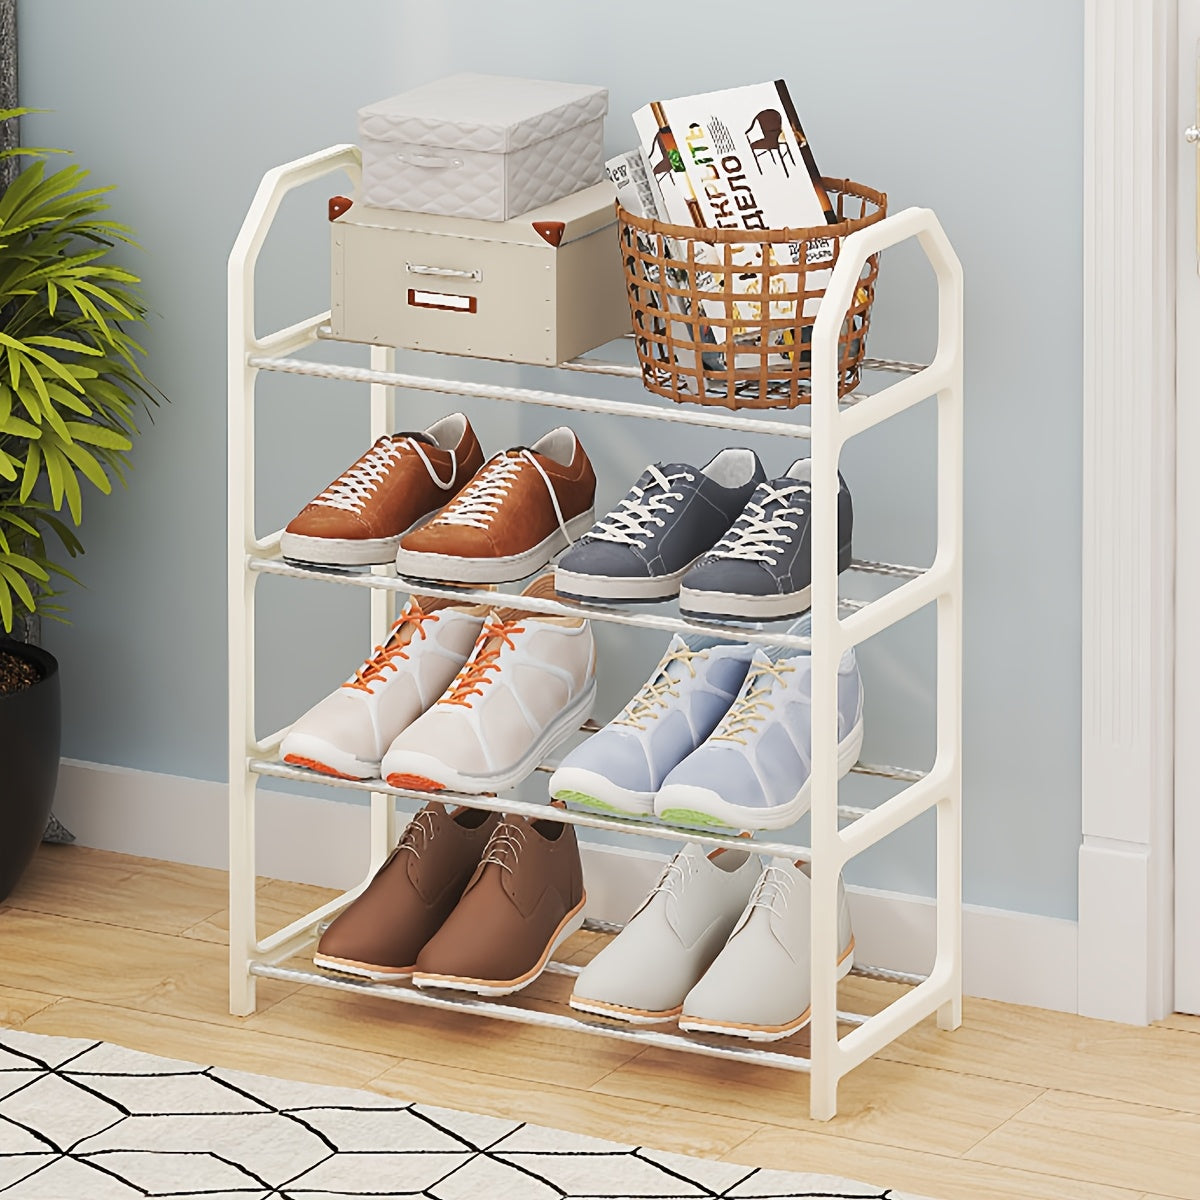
point(484, 146)
point(541, 288)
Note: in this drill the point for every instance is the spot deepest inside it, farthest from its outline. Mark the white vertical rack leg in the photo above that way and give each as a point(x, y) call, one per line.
point(949, 629)
point(826, 651)
point(242, 782)
point(242, 344)
point(831, 428)
point(383, 603)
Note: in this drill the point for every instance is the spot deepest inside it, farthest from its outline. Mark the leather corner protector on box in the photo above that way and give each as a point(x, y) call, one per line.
point(486, 289)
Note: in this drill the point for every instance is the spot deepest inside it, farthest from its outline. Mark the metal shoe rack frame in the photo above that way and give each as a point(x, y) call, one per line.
point(838, 833)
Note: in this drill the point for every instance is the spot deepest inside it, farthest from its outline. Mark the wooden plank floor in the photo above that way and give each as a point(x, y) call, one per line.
point(1019, 1104)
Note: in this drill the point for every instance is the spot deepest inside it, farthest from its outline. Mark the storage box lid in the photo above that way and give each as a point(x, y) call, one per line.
point(494, 113)
point(578, 214)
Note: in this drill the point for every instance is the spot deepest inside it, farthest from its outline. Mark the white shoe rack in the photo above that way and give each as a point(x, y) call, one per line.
point(837, 1041)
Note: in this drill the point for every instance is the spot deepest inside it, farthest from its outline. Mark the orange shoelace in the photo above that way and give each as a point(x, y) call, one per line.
point(383, 659)
point(474, 675)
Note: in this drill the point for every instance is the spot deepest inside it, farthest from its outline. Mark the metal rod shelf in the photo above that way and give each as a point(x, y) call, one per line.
point(532, 1016)
point(704, 415)
point(386, 579)
point(490, 803)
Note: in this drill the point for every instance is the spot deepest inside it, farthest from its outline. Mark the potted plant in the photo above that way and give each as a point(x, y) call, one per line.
point(70, 388)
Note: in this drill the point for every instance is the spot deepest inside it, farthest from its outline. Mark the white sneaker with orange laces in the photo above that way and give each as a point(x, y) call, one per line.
point(347, 733)
point(529, 685)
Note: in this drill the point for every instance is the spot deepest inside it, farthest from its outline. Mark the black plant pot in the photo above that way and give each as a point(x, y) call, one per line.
point(30, 729)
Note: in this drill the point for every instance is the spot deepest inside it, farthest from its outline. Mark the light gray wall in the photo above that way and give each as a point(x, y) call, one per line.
point(973, 110)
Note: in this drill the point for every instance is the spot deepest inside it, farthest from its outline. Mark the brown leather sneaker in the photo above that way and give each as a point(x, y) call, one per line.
point(361, 516)
point(380, 935)
point(524, 900)
point(525, 506)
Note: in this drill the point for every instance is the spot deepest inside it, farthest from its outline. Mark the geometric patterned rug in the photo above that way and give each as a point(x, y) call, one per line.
point(83, 1120)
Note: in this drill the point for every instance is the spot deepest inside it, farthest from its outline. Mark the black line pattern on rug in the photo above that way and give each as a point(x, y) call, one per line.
point(426, 1153)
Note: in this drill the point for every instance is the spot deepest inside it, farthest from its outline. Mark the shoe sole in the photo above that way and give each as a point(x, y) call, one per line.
point(339, 552)
point(621, 1012)
point(361, 970)
point(763, 1033)
point(618, 589)
point(307, 551)
point(689, 805)
point(451, 568)
point(504, 987)
point(726, 606)
point(425, 773)
point(719, 606)
point(316, 754)
point(587, 789)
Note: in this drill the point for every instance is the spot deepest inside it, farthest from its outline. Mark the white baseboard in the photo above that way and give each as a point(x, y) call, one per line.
point(1011, 956)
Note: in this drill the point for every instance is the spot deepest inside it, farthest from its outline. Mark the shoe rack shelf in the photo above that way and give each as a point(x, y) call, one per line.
point(837, 1041)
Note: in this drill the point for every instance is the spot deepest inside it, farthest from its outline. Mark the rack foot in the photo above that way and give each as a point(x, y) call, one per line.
point(822, 1095)
point(242, 997)
point(949, 1015)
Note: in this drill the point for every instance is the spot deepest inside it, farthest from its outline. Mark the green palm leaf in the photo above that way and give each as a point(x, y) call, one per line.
point(71, 380)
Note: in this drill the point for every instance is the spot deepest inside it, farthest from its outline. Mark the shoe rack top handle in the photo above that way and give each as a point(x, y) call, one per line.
point(943, 372)
point(243, 258)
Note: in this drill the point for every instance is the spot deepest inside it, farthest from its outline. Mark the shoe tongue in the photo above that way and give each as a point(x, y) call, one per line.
point(407, 631)
point(541, 588)
point(416, 435)
point(700, 641)
point(788, 481)
point(801, 627)
point(762, 657)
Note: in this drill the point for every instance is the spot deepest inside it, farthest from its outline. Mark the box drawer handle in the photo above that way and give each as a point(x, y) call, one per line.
point(428, 160)
point(443, 272)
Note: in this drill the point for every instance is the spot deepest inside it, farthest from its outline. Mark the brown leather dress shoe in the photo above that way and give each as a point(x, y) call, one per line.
point(380, 935)
point(524, 900)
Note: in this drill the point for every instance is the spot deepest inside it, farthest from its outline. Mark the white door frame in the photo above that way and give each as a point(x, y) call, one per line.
point(1131, 150)
point(1187, 572)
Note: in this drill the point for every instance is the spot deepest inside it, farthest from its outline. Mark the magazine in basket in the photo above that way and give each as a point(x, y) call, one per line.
point(738, 159)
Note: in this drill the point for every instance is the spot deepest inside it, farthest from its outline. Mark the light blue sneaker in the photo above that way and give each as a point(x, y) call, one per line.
point(620, 768)
point(752, 772)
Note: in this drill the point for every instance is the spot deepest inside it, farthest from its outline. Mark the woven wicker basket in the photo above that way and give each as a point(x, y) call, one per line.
point(691, 290)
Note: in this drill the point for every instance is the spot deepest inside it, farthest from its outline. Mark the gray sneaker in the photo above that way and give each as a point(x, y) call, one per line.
point(619, 769)
point(761, 570)
point(672, 515)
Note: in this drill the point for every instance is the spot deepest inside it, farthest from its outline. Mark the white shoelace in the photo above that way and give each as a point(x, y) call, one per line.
point(629, 523)
point(479, 501)
point(653, 696)
point(772, 891)
point(674, 878)
point(747, 711)
point(761, 532)
point(504, 844)
point(417, 834)
point(353, 489)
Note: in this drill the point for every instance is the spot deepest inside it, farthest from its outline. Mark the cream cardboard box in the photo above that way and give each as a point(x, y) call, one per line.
point(540, 288)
